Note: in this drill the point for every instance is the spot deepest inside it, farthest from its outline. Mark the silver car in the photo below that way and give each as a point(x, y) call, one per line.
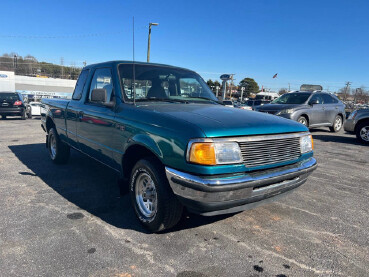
point(313, 109)
point(358, 123)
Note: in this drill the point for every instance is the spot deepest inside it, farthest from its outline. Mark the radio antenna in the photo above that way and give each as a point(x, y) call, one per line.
point(133, 65)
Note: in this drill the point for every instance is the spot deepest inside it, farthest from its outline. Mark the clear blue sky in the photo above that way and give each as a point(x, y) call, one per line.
point(323, 42)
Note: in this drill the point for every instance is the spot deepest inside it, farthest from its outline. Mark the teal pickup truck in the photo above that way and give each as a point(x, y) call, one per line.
point(173, 144)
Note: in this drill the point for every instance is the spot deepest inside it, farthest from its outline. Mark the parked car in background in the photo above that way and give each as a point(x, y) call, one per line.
point(313, 109)
point(177, 149)
point(35, 108)
point(358, 123)
point(228, 103)
point(266, 95)
point(253, 104)
point(12, 104)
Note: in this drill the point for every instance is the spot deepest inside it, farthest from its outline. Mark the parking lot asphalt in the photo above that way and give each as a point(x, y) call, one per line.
point(70, 220)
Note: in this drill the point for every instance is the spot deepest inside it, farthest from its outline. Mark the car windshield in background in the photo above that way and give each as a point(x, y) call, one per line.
point(226, 102)
point(292, 98)
point(153, 82)
point(9, 97)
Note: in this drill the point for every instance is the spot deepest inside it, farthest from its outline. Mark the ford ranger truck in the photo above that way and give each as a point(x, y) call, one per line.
point(174, 145)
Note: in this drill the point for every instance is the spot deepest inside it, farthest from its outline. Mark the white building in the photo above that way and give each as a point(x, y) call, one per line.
point(36, 87)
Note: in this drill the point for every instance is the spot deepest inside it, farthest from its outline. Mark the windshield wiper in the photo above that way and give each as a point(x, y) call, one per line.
point(205, 98)
point(162, 100)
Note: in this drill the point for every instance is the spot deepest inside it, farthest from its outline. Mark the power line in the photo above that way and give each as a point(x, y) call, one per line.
point(59, 36)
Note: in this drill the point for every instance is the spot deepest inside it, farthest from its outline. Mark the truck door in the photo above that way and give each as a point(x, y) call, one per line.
point(74, 108)
point(96, 122)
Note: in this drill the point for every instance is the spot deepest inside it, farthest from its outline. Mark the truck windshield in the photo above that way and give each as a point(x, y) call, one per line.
point(292, 98)
point(155, 82)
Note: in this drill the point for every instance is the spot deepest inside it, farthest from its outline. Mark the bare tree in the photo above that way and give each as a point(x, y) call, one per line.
point(282, 91)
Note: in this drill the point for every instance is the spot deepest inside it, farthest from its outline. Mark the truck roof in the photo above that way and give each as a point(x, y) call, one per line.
point(114, 63)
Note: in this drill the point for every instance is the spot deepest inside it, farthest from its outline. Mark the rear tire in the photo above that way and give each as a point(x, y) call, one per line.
point(303, 121)
point(362, 132)
point(23, 115)
point(154, 202)
point(3, 117)
point(59, 151)
point(337, 124)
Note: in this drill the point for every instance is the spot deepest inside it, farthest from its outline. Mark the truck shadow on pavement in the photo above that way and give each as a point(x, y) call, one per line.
point(92, 187)
point(334, 137)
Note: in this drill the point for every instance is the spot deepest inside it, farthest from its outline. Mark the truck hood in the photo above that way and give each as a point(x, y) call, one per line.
point(220, 121)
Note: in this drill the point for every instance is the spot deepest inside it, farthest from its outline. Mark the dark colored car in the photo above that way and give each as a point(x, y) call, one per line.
point(12, 104)
point(254, 104)
point(358, 123)
point(313, 109)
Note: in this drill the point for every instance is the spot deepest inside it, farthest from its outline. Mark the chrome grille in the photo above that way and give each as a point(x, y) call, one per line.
point(266, 152)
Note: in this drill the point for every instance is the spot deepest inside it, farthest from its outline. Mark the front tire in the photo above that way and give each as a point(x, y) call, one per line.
point(154, 202)
point(337, 125)
point(362, 132)
point(303, 121)
point(29, 114)
point(3, 117)
point(59, 151)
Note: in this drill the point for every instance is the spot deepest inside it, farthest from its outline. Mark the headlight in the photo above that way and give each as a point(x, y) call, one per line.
point(352, 115)
point(306, 144)
point(213, 153)
point(286, 111)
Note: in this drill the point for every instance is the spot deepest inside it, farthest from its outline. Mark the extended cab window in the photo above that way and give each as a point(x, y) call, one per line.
point(102, 79)
point(77, 94)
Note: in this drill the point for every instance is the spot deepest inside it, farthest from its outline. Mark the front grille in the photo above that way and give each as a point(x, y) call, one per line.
point(267, 152)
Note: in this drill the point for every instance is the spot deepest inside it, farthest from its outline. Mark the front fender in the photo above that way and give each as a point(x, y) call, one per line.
point(146, 141)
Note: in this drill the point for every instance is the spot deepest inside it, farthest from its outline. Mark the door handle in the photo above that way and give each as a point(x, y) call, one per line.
point(80, 116)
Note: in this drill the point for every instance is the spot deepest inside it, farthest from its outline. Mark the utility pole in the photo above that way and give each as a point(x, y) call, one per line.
point(347, 86)
point(242, 90)
point(62, 66)
point(149, 40)
point(15, 62)
point(289, 87)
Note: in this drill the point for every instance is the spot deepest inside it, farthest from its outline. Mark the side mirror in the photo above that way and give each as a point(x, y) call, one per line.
point(314, 102)
point(98, 95)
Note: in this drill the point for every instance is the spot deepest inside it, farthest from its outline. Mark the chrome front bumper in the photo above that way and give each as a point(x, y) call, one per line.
point(210, 195)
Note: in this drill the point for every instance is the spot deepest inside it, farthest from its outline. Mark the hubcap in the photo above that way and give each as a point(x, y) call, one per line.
point(364, 133)
point(52, 147)
point(338, 123)
point(303, 121)
point(146, 196)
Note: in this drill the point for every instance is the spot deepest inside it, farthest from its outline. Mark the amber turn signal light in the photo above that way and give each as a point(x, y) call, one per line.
point(202, 153)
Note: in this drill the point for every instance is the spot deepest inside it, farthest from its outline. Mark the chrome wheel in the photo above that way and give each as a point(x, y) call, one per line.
point(303, 121)
point(338, 123)
point(146, 196)
point(52, 147)
point(364, 133)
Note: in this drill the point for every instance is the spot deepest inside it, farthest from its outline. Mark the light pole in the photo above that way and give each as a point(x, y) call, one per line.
point(148, 43)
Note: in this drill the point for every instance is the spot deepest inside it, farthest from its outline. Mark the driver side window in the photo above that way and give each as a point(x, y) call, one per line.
point(102, 79)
